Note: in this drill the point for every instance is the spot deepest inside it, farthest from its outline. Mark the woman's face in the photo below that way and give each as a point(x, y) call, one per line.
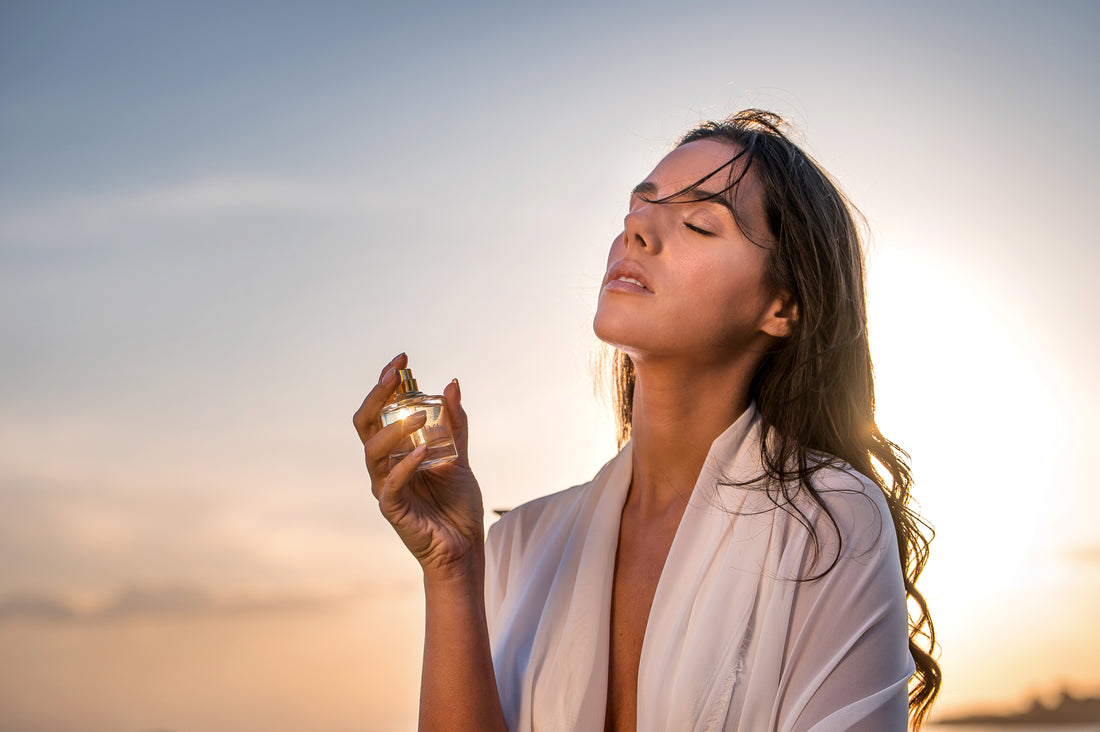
point(682, 279)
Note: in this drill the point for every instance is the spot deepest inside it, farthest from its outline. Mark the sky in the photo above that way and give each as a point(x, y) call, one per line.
point(219, 221)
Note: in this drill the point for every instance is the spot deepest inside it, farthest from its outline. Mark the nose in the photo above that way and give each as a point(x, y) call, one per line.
point(638, 227)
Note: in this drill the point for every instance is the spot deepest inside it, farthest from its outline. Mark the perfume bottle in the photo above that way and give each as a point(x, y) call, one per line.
point(436, 432)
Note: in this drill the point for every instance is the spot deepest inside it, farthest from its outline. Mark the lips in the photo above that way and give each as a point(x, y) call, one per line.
point(627, 275)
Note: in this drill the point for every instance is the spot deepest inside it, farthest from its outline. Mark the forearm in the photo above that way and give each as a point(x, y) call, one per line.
point(458, 689)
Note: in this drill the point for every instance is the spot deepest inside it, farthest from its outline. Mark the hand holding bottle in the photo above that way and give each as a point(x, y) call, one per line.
point(437, 512)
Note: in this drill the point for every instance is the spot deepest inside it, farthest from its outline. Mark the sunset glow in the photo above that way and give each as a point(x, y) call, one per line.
point(218, 223)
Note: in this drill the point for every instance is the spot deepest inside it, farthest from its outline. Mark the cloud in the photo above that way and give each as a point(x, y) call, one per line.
point(63, 537)
point(151, 601)
point(40, 607)
point(194, 199)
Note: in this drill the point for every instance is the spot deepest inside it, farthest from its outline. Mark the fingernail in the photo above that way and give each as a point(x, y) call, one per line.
point(416, 418)
point(457, 388)
point(389, 375)
point(419, 450)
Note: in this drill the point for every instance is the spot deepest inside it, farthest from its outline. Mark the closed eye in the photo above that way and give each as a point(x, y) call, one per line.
point(697, 230)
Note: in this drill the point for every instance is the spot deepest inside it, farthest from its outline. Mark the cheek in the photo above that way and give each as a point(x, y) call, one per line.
point(726, 287)
point(710, 277)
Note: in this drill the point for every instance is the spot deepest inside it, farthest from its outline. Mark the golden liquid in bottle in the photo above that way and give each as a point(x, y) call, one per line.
point(436, 432)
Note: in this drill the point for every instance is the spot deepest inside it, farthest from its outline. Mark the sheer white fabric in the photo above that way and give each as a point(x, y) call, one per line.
point(733, 641)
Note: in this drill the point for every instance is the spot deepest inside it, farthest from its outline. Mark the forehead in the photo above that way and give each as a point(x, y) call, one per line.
point(690, 163)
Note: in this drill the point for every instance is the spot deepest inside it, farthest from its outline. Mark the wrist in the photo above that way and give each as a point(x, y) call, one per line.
point(458, 576)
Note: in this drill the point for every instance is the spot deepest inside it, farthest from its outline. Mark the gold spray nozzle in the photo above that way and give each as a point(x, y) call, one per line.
point(408, 383)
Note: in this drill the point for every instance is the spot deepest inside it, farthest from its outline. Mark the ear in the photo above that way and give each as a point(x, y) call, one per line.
point(781, 315)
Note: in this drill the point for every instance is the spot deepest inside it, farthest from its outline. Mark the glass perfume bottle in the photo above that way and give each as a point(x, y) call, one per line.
point(436, 432)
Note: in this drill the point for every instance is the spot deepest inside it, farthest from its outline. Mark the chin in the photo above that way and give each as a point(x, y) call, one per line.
point(603, 327)
point(614, 330)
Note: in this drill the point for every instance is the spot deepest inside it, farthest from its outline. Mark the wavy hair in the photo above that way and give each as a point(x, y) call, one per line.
point(815, 391)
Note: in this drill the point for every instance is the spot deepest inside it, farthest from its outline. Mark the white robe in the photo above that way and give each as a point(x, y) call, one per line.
point(733, 641)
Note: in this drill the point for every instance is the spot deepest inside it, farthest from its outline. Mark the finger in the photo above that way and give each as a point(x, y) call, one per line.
point(365, 418)
point(397, 363)
point(387, 441)
point(392, 493)
point(456, 416)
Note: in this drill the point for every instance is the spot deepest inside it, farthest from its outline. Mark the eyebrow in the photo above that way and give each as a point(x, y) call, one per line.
point(649, 188)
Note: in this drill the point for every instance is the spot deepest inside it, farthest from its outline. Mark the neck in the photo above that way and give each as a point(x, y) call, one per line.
point(678, 411)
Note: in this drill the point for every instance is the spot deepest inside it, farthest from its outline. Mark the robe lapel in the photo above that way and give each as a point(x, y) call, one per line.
point(569, 685)
point(700, 625)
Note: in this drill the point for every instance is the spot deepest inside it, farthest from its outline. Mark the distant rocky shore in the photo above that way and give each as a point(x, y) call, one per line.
point(1068, 710)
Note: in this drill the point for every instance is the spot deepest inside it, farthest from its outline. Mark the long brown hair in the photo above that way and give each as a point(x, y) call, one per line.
point(815, 391)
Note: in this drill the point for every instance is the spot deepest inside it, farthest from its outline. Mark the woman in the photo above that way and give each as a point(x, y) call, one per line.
point(740, 564)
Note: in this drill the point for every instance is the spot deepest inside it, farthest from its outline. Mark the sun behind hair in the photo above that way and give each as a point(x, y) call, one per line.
point(815, 391)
